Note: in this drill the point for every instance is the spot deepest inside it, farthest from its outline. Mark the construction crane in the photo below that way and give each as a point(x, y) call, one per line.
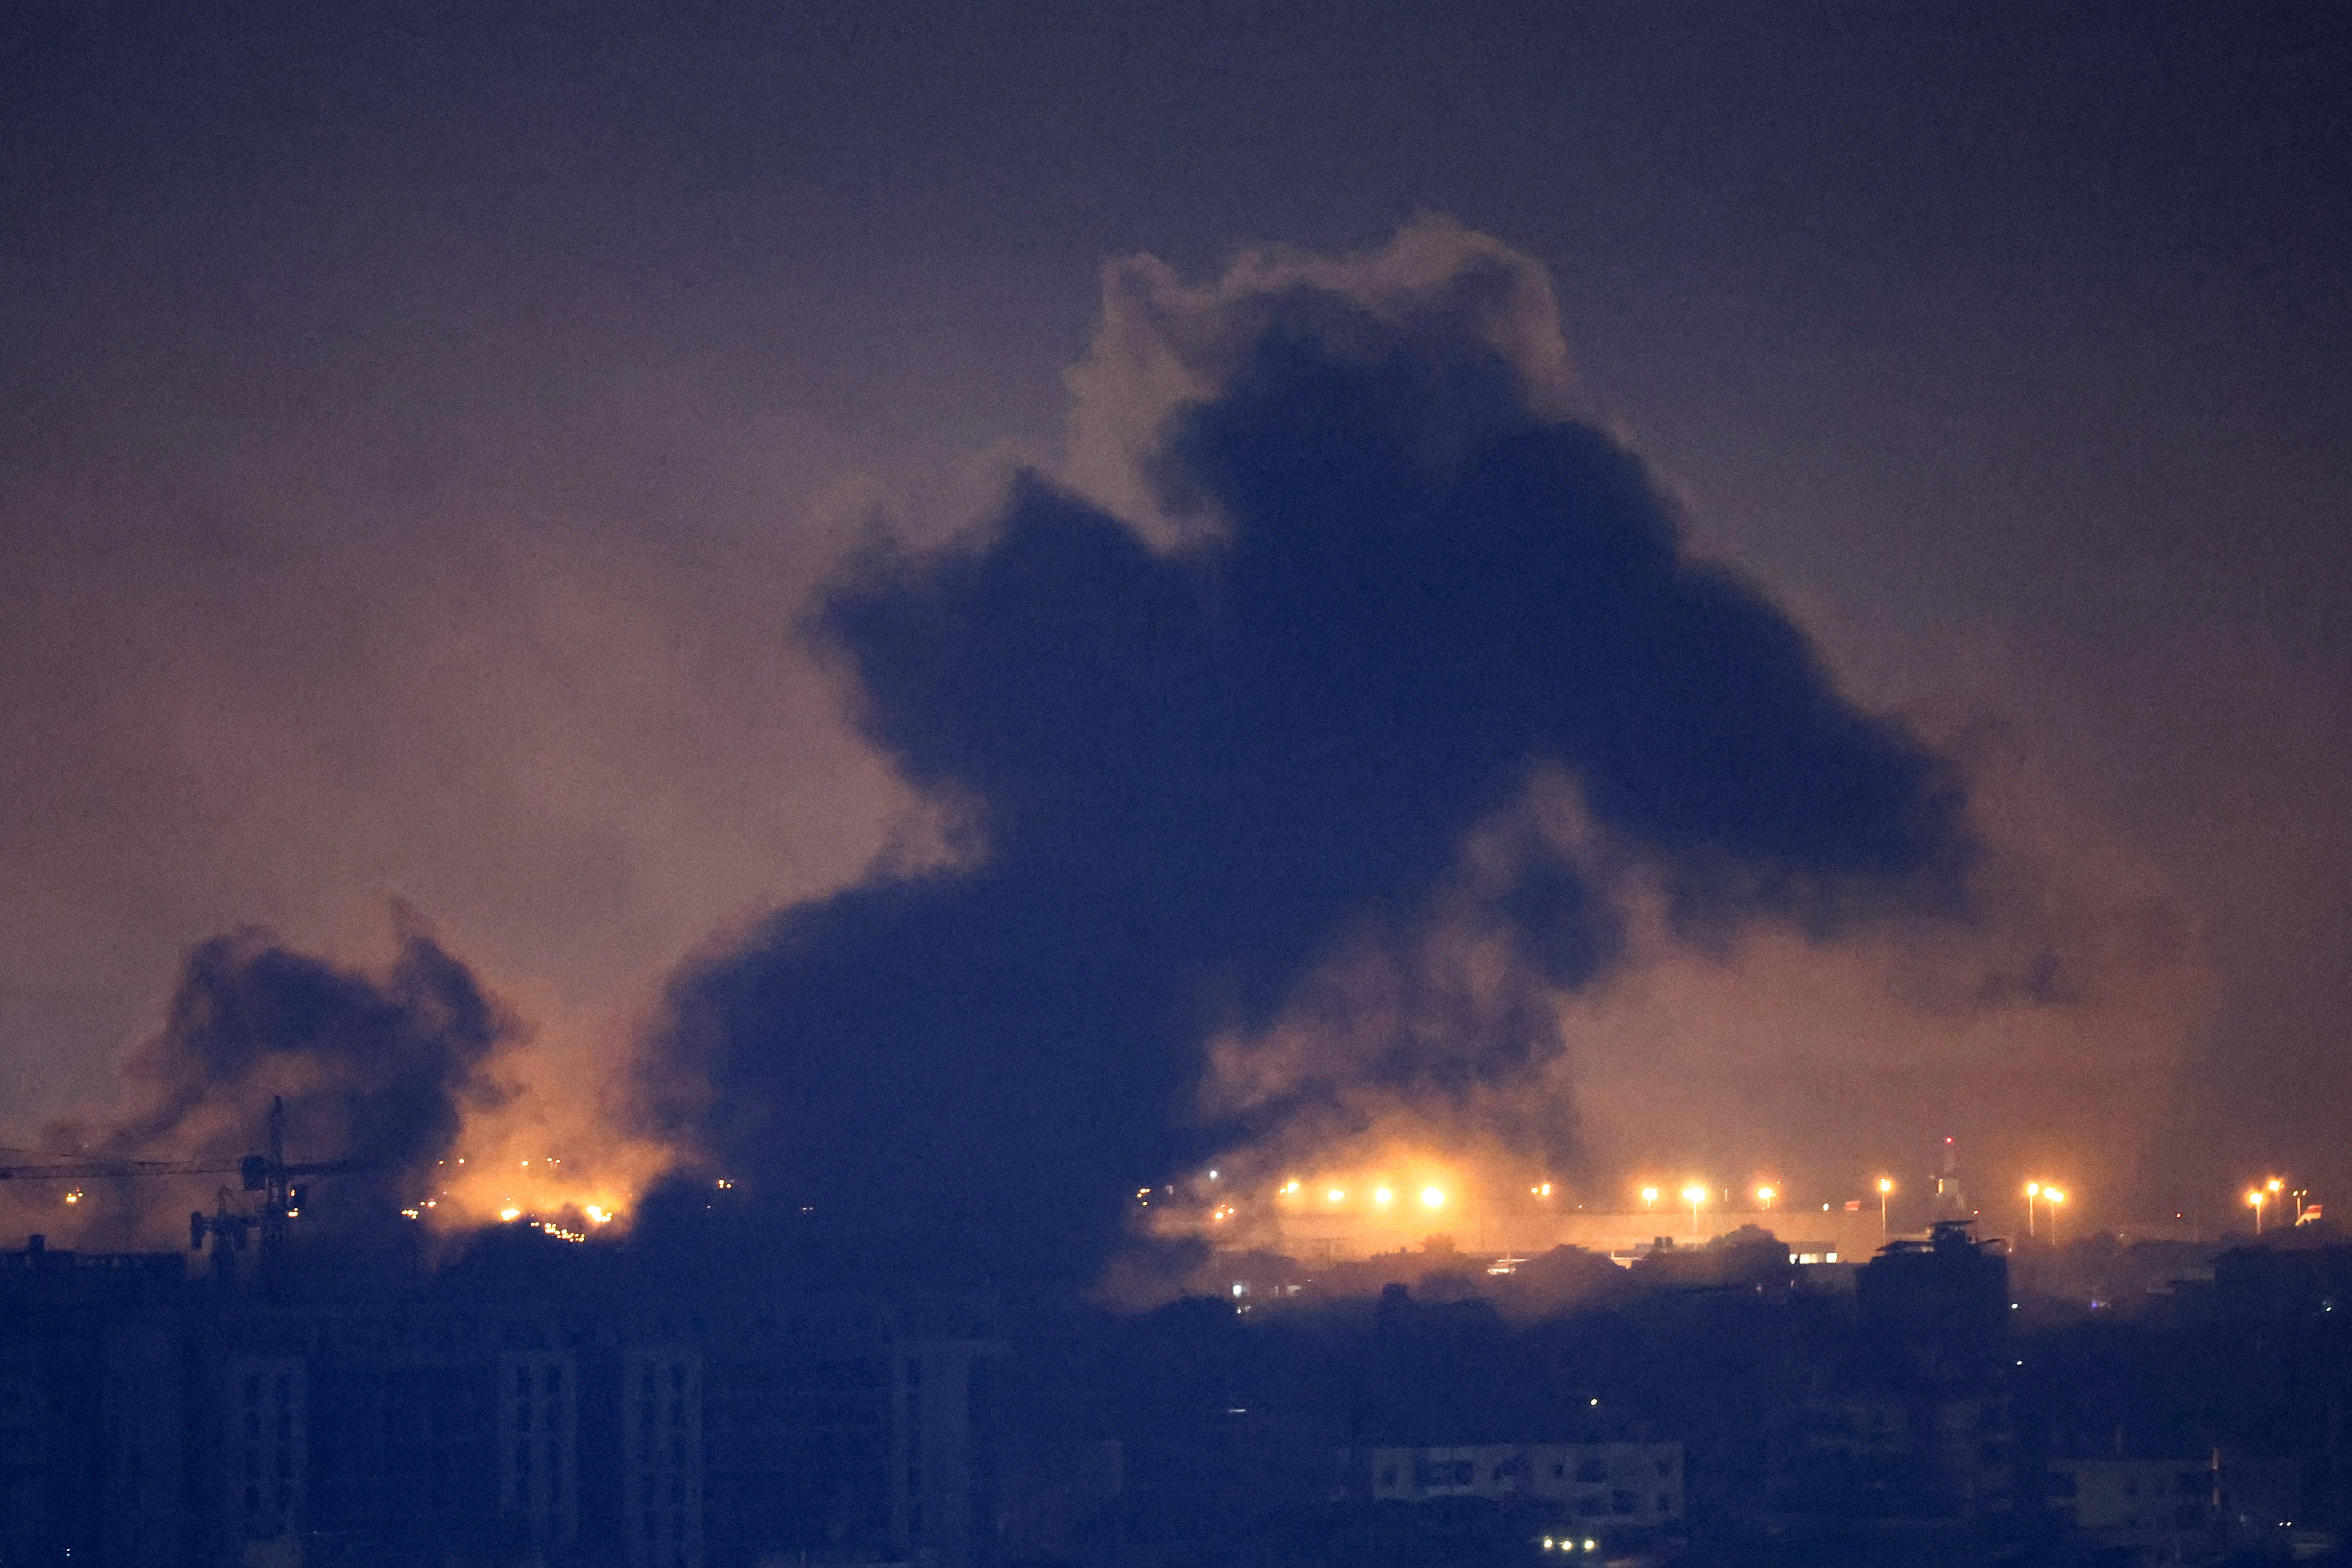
point(75, 1169)
point(268, 1174)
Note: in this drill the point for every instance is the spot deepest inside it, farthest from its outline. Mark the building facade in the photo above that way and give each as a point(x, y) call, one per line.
point(580, 1415)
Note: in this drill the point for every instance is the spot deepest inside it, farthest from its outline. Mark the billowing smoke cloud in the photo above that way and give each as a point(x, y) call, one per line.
point(1269, 735)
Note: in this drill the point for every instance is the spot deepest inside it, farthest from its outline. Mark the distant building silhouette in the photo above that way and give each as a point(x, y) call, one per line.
point(576, 1410)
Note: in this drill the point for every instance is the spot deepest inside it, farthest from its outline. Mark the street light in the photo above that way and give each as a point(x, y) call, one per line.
point(2257, 1198)
point(1695, 1195)
point(1764, 1196)
point(1649, 1197)
point(1886, 1185)
point(2033, 1191)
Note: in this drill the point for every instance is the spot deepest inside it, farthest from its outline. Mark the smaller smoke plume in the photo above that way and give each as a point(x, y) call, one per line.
point(419, 1078)
point(376, 1072)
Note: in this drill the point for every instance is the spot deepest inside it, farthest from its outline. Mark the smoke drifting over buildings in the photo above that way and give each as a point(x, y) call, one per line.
point(1214, 754)
point(1340, 756)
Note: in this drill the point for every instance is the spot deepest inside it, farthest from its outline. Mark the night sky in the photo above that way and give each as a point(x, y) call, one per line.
point(550, 480)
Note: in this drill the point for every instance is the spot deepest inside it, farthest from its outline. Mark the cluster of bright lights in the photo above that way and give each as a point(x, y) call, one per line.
point(1767, 1195)
point(1695, 1194)
point(511, 1207)
point(1334, 1195)
point(507, 1188)
point(1568, 1544)
point(1432, 1196)
point(596, 1213)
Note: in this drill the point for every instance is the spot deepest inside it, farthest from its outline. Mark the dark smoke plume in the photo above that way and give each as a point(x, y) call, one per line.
point(1198, 772)
point(372, 1071)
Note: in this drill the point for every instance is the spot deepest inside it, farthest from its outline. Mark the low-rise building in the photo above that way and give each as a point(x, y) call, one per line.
point(2161, 1507)
point(1612, 1485)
